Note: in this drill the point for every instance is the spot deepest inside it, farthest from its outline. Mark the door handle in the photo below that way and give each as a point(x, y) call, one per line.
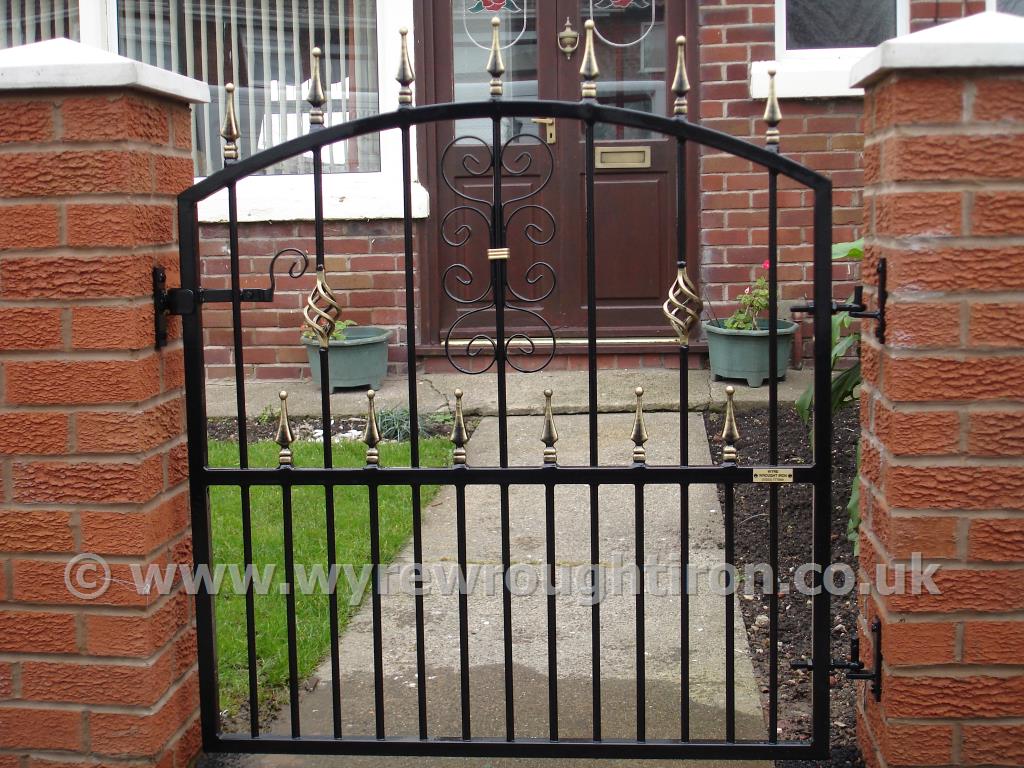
point(550, 133)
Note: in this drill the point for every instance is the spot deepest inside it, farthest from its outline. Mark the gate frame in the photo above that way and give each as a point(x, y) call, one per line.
point(186, 301)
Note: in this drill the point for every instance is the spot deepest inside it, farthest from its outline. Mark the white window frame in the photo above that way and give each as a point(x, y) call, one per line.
point(374, 195)
point(814, 72)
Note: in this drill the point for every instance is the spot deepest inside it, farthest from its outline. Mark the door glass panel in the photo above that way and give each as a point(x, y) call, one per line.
point(631, 56)
point(471, 24)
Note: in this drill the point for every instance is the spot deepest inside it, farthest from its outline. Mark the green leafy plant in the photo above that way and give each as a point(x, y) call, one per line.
point(394, 423)
point(844, 383)
point(753, 301)
point(338, 334)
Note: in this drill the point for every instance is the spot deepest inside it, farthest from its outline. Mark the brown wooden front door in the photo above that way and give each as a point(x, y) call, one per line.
point(635, 171)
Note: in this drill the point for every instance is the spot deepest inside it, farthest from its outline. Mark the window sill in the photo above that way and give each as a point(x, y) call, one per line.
point(806, 78)
point(347, 196)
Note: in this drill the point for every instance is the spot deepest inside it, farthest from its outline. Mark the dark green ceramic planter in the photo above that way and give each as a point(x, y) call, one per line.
point(744, 354)
point(358, 360)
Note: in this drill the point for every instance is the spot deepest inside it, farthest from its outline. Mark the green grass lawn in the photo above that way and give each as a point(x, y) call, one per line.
point(352, 536)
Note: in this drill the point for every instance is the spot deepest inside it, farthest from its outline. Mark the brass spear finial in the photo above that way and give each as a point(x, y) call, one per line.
point(321, 310)
point(731, 433)
point(405, 76)
point(589, 70)
point(316, 96)
point(639, 436)
point(495, 64)
point(371, 435)
point(230, 132)
point(459, 435)
point(681, 83)
point(284, 437)
point(772, 112)
point(550, 436)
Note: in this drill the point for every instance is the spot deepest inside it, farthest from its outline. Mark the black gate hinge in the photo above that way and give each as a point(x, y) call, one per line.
point(173, 301)
point(857, 308)
point(853, 666)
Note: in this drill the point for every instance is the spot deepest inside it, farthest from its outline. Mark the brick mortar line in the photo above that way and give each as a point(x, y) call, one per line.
point(947, 461)
point(895, 187)
point(85, 146)
point(142, 612)
point(88, 660)
point(81, 355)
point(157, 400)
point(951, 354)
point(957, 670)
point(153, 199)
point(962, 130)
point(931, 406)
point(115, 459)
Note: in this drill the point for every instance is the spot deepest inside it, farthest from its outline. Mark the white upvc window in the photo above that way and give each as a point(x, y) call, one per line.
point(263, 47)
point(1006, 6)
point(817, 42)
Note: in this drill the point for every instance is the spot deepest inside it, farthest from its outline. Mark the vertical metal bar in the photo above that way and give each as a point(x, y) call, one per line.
point(460, 525)
point(295, 45)
point(204, 70)
point(414, 427)
point(684, 457)
point(289, 578)
point(378, 644)
point(822, 455)
point(195, 415)
point(250, 76)
point(773, 454)
point(641, 634)
point(549, 510)
point(730, 618)
point(267, 112)
point(328, 451)
point(172, 19)
point(243, 455)
point(161, 38)
point(499, 279)
point(595, 530)
point(282, 80)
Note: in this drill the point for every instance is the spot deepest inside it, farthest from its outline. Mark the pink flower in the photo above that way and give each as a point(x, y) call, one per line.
point(747, 290)
point(765, 265)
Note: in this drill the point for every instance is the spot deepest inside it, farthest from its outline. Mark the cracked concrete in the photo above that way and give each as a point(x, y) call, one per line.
point(435, 393)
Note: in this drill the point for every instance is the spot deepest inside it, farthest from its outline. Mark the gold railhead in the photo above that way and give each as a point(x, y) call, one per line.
point(371, 394)
point(548, 393)
point(283, 394)
point(639, 391)
point(458, 394)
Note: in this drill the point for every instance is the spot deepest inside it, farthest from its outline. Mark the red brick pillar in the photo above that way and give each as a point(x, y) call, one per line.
point(943, 399)
point(92, 450)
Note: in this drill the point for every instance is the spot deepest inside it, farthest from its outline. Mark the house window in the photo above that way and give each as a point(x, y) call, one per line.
point(20, 25)
point(817, 42)
point(1006, 6)
point(263, 47)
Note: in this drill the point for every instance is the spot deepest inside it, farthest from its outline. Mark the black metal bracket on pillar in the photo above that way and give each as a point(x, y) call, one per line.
point(853, 666)
point(856, 306)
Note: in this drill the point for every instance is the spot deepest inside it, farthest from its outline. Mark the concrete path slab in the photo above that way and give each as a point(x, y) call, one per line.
point(435, 392)
point(707, 627)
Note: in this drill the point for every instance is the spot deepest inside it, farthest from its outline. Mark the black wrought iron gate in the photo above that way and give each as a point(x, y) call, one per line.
point(504, 348)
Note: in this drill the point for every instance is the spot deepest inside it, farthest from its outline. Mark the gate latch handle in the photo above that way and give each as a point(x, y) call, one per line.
point(857, 308)
point(853, 666)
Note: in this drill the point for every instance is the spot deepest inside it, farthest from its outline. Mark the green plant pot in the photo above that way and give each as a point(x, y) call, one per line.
point(358, 360)
point(744, 354)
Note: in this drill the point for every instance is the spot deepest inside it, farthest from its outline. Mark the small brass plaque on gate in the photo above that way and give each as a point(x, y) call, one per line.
point(773, 475)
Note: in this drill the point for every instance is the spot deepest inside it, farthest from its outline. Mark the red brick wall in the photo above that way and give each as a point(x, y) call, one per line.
point(943, 417)
point(92, 451)
point(365, 266)
point(824, 134)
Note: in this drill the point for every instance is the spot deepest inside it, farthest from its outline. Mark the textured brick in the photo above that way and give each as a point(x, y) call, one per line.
point(112, 327)
point(931, 537)
point(964, 589)
point(979, 269)
point(23, 728)
point(25, 227)
point(1000, 540)
point(947, 697)
point(143, 735)
point(115, 116)
point(944, 157)
point(35, 531)
point(941, 379)
point(49, 431)
point(30, 328)
point(78, 277)
point(922, 324)
point(919, 643)
point(918, 213)
point(135, 635)
point(957, 487)
point(104, 224)
point(87, 482)
point(999, 99)
point(45, 582)
point(131, 431)
point(174, 174)
point(918, 433)
point(25, 121)
point(998, 213)
point(916, 100)
point(53, 174)
point(993, 642)
point(997, 324)
point(82, 382)
point(36, 632)
point(996, 433)
point(134, 533)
